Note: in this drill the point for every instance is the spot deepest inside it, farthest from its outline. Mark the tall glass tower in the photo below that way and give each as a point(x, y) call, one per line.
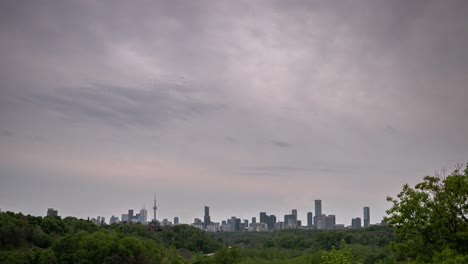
point(366, 216)
point(318, 210)
point(207, 218)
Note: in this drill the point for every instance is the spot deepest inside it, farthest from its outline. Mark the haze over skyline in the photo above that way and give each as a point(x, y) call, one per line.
point(244, 106)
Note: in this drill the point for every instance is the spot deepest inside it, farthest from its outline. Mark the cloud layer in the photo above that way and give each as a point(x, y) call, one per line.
point(245, 106)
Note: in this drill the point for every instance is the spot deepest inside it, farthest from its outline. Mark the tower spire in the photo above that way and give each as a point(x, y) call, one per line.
point(154, 208)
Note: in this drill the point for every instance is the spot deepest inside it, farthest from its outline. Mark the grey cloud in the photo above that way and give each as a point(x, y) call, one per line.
point(296, 83)
point(391, 130)
point(275, 170)
point(231, 140)
point(125, 106)
point(6, 133)
point(281, 144)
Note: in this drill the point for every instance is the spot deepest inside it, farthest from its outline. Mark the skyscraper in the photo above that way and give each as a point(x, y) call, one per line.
point(318, 210)
point(290, 221)
point(263, 218)
point(237, 224)
point(130, 216)
point(176, 220)
point(143, 216)
point(294, 212)
point(206, 219)
point(309, 219)
point(154, 208)
point(366, 216)
point(271, 222)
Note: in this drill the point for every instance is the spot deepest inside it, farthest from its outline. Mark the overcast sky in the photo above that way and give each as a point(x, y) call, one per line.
point(245, 106)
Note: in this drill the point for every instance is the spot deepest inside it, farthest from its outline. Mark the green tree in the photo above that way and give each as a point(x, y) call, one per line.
point(342, 256)
point(47, 257)
point(227, 255)
point(432, 216)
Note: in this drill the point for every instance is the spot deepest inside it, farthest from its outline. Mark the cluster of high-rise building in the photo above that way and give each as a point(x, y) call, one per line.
point(100, 220)
point(356, 222)
point(265, 222)
point(269, 222)
point(131, 217)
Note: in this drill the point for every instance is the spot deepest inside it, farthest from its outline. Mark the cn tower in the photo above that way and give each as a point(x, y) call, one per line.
point(154, 208)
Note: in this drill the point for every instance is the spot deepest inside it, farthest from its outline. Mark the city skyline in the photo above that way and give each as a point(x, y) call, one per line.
point(245, 106)
point(205, 220)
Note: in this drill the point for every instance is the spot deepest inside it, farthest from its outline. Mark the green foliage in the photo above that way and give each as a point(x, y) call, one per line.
point(432, 216)
point(30, 239)
point(14, 230)
point(449, 256)
point(202, 259)
point(227, 255)
point(47, 257)
point(342, 256)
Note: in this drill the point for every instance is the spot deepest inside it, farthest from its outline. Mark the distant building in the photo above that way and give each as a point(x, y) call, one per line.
point(143, 217)
point(330, 222)
point(130, 216)
point(366, 216)
point(320, 221)
point(263, 218)
point(213, 227)
point(259, 227)
point(356, 223)
point(124, 218)
point(242, 226)
point(100, 220)
point(224, 226)
point(298, 223)
point(294, 212)
point(254, 220)
point(318, 211)
point(279, 226)
point(290, 221)
point(113, 220)
point(383, 222)
point(236, 223)
point(207, 218)
point(166, 222)
point(136, 218)
point(52, 212)
point(271, 222)
point(176, 220)
point(309, 219)
point(197, 222)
